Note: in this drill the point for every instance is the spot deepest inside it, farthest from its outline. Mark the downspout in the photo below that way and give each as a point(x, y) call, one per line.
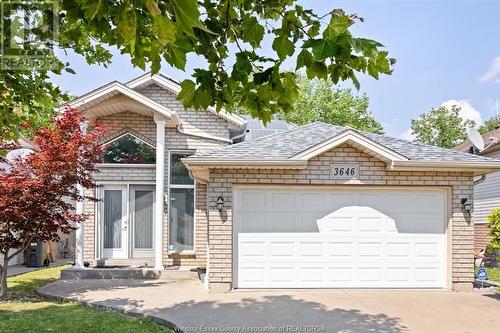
point(480, 180)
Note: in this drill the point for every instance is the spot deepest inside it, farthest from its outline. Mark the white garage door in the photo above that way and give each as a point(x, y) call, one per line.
point(310, 238)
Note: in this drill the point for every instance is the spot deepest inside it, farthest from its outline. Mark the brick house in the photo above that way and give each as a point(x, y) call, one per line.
point(316, 206)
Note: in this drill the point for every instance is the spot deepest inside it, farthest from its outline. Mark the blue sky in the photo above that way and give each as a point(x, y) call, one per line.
point(446, 51)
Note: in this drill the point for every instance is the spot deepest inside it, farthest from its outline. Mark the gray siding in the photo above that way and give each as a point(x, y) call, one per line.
point(487, 194)
point(486, 197)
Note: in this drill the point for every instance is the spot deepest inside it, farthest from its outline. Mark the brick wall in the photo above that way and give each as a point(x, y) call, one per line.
point(197, 121)
point(141, 126)
point(145, 128)
point(481, 236)
point(372, 172)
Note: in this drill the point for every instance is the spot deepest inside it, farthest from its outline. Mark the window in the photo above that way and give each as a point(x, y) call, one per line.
point(181, 210)
point(129, 149)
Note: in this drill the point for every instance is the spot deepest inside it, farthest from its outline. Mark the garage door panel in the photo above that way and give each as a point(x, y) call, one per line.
point(366, 240)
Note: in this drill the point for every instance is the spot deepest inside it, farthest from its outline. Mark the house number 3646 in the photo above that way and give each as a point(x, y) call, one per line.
point(344, 171)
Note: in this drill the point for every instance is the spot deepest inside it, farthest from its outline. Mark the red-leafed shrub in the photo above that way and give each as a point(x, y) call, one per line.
point(34, 190)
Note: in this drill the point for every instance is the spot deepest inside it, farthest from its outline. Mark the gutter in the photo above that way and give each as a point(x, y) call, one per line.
point(245, 163)
point(448, 164)
point(205, 136)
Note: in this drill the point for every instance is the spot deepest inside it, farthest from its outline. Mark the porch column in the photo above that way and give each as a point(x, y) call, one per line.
point(79, 231)
point(160, 184)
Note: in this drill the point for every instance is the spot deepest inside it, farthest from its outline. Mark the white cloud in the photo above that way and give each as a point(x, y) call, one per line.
point(407, 135)
point(467, 111)
point(493, 73)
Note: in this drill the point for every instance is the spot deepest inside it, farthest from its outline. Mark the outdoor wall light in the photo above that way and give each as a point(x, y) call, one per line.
point(220, 203)
point(467, 203)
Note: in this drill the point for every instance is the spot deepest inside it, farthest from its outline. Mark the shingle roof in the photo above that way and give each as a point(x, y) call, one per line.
point(287, 144)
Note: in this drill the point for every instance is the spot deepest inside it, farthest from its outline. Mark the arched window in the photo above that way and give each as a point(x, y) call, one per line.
point(129, 149)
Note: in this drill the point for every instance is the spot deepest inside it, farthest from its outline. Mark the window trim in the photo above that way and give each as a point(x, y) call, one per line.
point(107, 164)
point(170, 186)
point(127, 133)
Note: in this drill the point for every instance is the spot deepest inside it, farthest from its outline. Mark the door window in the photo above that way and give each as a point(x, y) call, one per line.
point(113, 219)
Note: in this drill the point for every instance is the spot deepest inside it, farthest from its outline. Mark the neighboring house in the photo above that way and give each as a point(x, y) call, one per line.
point(486, 191)
point(317, 206)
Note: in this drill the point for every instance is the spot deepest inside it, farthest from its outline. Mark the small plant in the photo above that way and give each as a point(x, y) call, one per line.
point(494, 219)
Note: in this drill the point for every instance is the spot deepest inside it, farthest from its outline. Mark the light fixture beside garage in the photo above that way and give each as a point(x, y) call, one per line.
point(220, 203)
point(467, 203)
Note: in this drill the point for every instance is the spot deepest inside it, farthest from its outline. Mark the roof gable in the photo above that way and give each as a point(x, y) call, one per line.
point(356, 139)
point(111, 90)
point(174, 86)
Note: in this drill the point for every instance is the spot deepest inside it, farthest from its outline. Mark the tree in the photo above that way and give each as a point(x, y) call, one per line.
point(442, 127)
point(227, 34)
point(490, 125)
point(320, 100)
point(33, 189)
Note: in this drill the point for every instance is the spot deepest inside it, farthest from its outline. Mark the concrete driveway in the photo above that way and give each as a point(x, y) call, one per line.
point(187, 305)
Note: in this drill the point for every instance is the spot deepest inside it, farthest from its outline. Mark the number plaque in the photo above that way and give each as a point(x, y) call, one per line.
point(344, 171)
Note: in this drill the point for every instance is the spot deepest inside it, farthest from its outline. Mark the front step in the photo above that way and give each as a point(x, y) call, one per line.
point(111, 273)
point(134, 262)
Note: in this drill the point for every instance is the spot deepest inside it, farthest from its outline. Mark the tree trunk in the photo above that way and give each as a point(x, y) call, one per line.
point(3, 277)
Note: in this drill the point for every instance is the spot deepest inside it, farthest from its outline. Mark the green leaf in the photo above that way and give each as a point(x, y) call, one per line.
point(283, 47)
point(253, 32)
point(303, 59)
point(153, 8)
point(187, 93)
point(317, 69)
point(323, 50)
point(127, 24)
point(203, 98)
point(70, 70)
point(187, 16)
point(93, 9)
point(260, 78)
point(339, 23)
point(164, 29)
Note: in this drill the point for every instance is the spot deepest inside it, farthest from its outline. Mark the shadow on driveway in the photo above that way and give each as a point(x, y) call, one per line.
point(266, 314)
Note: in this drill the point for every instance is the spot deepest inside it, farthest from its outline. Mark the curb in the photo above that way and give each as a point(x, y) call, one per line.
point(132, 313)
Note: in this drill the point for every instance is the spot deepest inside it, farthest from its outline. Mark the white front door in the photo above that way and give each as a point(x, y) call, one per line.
point(114, 222)
point(339, 238)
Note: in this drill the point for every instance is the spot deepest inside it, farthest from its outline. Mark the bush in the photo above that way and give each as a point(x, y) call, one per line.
point(494, 219)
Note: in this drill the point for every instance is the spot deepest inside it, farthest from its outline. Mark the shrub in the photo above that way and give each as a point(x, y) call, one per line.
point(494, 219)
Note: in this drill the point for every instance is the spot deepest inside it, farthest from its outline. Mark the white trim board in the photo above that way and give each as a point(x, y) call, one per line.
point(114, 88)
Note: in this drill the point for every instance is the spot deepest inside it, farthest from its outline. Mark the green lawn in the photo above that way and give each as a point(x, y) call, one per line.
point(25, 312)
point(28, 283)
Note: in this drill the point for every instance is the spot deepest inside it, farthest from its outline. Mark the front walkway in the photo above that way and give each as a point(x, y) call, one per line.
point(185, 303)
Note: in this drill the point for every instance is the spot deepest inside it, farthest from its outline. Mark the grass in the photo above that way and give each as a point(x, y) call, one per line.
point(26, 312)
point(26, 284)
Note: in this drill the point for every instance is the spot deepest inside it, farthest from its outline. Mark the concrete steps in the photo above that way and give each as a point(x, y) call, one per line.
point(135, 262)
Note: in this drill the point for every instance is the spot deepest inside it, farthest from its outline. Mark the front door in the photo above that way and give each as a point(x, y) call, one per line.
point(114, 222)
point(142, 200)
